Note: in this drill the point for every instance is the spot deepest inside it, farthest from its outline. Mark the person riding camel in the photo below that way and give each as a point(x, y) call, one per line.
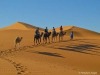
point(46, 30)
point(61, 29)
point(54, 31)
point(37, 32)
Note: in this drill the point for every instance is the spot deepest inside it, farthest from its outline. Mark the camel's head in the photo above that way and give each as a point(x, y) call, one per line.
point(64, 33)
point(50, 32)
point(57, 33)
point(21, 37)
point(42, 33)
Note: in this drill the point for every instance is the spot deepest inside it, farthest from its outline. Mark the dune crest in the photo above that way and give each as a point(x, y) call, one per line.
point(20, 26)
point(64, 28)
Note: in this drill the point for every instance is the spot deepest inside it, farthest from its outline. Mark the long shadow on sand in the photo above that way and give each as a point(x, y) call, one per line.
point(86, 41)
point(81, 48)
point(47, 53)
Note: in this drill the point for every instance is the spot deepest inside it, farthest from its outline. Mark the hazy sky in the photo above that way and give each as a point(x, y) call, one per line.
point(82, 13)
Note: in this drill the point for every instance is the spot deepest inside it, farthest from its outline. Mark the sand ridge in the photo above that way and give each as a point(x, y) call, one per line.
point(20, 26)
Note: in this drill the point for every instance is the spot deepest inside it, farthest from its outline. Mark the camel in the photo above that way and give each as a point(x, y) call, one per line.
point(46, 37)
point(54, 37)
point(18, 41)
point(61, 35)
point(37, 38)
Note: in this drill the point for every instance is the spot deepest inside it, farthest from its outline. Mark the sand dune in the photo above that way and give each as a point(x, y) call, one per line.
point(20, 26)
point(84, 33)
point(9, 34)
point(69, 57)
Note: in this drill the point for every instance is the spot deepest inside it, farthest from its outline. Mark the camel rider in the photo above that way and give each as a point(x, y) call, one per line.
point(61, 29)
point(46, 30)
point(37, 32)
point(54, 31)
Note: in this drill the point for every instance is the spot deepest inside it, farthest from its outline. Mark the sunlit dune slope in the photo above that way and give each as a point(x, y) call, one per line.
point(20, 26)
point(9, 34)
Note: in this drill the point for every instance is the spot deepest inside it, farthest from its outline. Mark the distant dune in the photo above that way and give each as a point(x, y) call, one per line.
point(81, 33)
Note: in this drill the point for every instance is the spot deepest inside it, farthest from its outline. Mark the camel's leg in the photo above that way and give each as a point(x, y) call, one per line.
point(43, 40)
point(49, 39)
point(19, 45)
point(56, 38)
point(59, 38)
point(52, 38)
point(62, 37)
point(15, 45)
point(38, 41)
point(34, 41)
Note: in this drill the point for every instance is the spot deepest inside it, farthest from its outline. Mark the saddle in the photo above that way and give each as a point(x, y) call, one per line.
point(46, 34)
point(54, 32)
point(61, 32)
point(37, 35)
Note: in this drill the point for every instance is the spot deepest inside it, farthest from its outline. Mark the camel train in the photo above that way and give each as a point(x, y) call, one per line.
point(43, 37)
point(46, 36)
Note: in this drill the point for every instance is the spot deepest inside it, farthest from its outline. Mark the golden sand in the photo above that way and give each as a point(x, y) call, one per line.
point(69, 57)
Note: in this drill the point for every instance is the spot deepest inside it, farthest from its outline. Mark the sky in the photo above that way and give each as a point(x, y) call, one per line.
point(51, 13)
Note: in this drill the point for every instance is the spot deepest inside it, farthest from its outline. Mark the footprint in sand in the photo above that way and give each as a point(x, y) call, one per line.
point(21, 70)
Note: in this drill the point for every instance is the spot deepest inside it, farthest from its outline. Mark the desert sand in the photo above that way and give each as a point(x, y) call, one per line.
point(80, 56)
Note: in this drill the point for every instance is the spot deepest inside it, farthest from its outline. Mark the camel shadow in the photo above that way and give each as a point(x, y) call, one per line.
point(47, 53)
point(81, 48)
